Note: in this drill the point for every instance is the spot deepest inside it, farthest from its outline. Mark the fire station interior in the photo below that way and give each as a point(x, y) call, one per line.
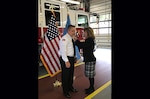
point(100, 20)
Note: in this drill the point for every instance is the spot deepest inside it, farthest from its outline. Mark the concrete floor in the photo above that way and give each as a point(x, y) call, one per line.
point(103, 70)
point(104, 94)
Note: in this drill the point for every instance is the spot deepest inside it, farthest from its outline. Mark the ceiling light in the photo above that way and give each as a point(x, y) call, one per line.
point(70, 1)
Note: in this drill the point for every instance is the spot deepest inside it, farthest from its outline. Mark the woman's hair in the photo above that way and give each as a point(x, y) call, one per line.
point(90, 32)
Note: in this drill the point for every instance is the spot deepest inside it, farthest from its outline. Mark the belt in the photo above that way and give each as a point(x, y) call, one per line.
point(69, 56)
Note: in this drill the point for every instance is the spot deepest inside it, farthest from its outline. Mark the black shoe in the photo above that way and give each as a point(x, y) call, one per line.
point(89, 91)
point(67, 95)
point(73, 90)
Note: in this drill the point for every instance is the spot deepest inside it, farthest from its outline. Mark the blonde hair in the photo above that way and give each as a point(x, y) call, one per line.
point(90, 32)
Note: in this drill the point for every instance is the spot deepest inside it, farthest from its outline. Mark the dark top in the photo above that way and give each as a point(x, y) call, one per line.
point(88, 49)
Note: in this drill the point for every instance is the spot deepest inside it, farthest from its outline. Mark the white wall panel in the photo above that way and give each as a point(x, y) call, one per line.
point(101, 7)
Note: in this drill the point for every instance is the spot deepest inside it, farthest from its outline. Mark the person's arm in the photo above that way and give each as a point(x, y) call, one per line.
point(83, 44)
point(64, 52)
point(64, 49)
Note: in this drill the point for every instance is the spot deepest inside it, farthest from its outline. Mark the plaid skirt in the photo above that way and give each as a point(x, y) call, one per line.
point(90, 69)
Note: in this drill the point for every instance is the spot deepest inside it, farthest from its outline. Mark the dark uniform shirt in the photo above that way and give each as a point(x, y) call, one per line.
point(88, 49)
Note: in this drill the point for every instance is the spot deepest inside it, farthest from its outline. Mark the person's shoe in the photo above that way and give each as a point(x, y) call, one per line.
point(67, 95)
point(89, 91)
point(73, 90)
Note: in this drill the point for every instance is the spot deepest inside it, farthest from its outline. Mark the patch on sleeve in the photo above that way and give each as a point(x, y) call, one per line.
point(63, 39)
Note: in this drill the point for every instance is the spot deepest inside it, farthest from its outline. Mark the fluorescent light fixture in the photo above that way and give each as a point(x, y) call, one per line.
point(70, 1)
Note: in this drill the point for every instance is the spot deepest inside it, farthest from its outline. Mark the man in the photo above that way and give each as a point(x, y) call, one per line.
point(67, 60)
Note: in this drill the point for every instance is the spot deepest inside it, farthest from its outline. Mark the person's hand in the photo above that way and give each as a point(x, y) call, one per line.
point(67, 64)
point(75, 59)
point(75, 38)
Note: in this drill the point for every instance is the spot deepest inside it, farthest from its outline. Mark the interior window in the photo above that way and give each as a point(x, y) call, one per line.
point(48, 13)
point(83, 21)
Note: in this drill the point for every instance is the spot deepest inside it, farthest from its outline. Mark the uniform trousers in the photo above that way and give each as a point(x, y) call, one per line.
point(67, 74)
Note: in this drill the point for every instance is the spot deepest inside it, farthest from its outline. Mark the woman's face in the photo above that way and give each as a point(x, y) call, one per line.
point(85, 34)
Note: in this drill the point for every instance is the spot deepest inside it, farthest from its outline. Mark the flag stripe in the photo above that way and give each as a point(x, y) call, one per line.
point(53, 43)
point(45, 64)
point(57, 44)
point(47, 58)
point(51, 55)
point(55, 56)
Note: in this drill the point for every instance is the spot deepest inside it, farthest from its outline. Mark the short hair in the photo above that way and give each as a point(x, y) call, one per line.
point(70, 26)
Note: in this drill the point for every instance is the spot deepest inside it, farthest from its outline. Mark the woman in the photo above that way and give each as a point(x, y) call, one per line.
point(88, 56)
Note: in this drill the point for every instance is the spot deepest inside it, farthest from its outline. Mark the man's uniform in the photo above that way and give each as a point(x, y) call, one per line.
point(66, 53)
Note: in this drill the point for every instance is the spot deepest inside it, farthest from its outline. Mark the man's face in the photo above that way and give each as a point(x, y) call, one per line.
point(72, 31)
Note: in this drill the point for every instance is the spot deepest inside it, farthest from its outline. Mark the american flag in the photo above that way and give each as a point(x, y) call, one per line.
point(49, 52)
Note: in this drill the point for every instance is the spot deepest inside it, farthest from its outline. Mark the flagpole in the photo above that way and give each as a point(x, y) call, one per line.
point(41, 20)
point(41, 24)
point(42, 34)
